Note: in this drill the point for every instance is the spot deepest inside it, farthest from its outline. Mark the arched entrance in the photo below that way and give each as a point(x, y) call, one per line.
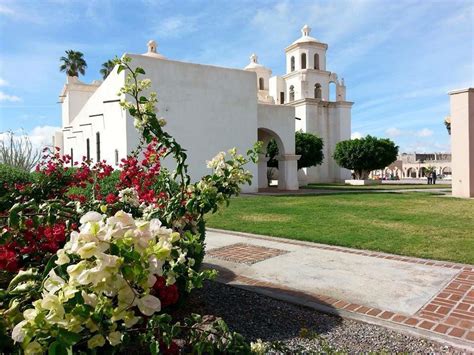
point(287, 163)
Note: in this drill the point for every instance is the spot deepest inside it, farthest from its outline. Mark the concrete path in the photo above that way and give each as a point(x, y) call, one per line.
point(429, 298)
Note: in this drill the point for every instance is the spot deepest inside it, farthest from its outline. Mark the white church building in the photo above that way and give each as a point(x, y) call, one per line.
point(209, 109)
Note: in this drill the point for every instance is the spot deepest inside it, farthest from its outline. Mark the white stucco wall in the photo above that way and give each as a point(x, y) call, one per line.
point(208, 109)
point(99, 115)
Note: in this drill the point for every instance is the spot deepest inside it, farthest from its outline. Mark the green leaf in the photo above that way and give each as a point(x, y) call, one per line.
point(59, 348)
point(67, 337)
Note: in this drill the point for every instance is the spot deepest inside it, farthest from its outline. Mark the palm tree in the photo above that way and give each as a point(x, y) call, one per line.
point(107, 68)
point(73, 63)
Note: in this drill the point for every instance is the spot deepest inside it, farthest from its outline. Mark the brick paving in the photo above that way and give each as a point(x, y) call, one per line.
point(245, 253)
point(450, 313)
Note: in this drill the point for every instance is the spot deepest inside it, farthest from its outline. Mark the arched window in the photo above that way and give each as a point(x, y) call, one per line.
point(292, 93)
point(317, 91)
point(292, 61)
point(261, 84)
point(88, 149)
point(116, 157)
point(332, 91)
point(72, 157)
point(303, 60)
point(97, 142)
point(316, 61)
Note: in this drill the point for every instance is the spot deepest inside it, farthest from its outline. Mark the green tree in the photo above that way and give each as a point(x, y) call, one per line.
point(73, 63)
point(107, 68)
point(309, 146)
point(365, 154)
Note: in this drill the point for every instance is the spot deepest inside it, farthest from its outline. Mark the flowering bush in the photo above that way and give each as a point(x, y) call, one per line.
point(89, 267)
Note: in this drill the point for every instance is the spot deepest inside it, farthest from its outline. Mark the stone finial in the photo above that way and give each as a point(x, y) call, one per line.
point(151, 46)
point(253, 58)
point(306, 30)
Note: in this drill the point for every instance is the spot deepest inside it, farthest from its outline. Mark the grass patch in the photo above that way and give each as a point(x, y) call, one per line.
point(413, 224)
point(381, 187)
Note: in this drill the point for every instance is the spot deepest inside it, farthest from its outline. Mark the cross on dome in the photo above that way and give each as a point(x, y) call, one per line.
point(306, 30)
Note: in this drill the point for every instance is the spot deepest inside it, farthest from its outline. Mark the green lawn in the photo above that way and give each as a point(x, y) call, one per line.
point(400, 186)
point(414, 224)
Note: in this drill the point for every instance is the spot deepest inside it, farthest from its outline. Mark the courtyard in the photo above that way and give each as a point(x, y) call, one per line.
point(419, 224)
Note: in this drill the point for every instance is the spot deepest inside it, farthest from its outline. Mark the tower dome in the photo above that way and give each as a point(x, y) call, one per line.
point(263, 77)
point(305, 36)
point(152, 52)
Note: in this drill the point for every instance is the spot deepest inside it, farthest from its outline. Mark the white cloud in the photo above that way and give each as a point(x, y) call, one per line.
point(356, 135)
point(425, 132)
point(3, 82)
point(176, 26)
point(41, 136)
point(393, 132)
point(9, 98)
point(6, 10)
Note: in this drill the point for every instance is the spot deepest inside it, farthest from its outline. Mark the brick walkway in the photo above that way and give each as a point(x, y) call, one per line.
point(447, 316)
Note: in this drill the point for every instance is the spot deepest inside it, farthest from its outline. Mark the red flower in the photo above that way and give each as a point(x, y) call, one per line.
point(8, 260)
point(111, 199)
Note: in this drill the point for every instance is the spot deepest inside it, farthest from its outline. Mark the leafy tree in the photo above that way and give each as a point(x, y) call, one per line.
point(309, 146)
point(73, 63)
point(365, 154)
point(107, 68)
point(18, 152)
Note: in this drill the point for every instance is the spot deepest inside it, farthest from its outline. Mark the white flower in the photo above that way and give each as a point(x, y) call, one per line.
point(114, 338)
point(89, 298)
point(62, 257)
point(148, 305)
point(18, 333)
point(88, 250)
point(34, 348)
point(129, 196)
point(91, 216)
point(96, 341)
point(53, 283)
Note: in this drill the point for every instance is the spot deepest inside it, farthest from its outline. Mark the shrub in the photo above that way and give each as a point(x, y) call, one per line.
point(18, 151)
point(308, 145)
point(365, 154)
point(9, 177)
point(95, 257)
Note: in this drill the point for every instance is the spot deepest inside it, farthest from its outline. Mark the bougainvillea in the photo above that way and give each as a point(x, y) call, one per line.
point(92, 268)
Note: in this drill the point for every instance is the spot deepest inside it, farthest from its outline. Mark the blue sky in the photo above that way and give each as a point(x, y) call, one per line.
point(399, 58)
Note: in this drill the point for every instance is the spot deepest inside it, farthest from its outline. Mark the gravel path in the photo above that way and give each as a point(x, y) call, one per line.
point(301, 329)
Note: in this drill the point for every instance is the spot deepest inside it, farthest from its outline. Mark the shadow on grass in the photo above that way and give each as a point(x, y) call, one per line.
point(266, 311)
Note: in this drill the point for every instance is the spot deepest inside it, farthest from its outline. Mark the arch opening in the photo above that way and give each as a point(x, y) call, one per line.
point(317, 91)
point(332, 91)
point(292, 63)
point(316, 61)
point(303, 60)
point(261, 84)
point(292, 93)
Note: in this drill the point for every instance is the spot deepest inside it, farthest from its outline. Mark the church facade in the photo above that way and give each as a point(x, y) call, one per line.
point(210, 109)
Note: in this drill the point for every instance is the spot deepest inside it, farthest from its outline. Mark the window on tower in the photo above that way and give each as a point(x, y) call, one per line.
point(316, 61)
point(261, 84)
point(292, 93)
point(317, 91)
point(303, 60)
point(292, 61)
